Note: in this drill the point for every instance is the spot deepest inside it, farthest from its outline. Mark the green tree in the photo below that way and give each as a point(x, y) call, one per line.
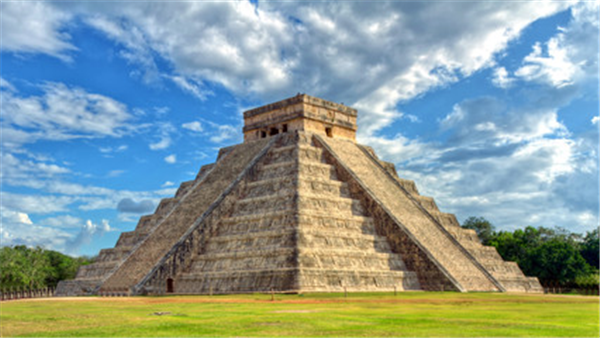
point(483, 228)
point(552, 255)
point(590, 249)
point(22, 267)
point(557, 260)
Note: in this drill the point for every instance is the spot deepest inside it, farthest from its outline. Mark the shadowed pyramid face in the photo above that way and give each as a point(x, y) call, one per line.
point(300, 113)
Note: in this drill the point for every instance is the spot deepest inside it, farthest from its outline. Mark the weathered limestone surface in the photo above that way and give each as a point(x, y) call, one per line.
point(457, 264)
point(175, 224)
point(293, 228)
point(298, 207)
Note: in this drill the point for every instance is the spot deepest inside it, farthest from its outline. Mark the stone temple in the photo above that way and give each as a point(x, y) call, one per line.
point(298, 207)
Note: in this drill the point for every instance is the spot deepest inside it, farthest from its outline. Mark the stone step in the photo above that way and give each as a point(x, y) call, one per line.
point(127, 238)
point(304, 237)
point(243, 281)
point(358, 242)
point(292, 168)
point(265, 280)
point(95, 270)
point(165, 205)
point(113, 254)
point(332, 204)
point(281, 238)
point(448, 220)
point(408, 185)
point(264, 204)
point(146, 223)
point(286, 219)
point(337, 280)
point(289, 184)
point(428, 203)
point(350, 259)
point(265, 257)
point(184, 188)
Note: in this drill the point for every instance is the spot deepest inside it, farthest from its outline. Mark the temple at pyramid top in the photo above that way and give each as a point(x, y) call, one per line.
point(300, 113)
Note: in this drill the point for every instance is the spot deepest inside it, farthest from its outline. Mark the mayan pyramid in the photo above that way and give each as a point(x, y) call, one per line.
point(298, 207)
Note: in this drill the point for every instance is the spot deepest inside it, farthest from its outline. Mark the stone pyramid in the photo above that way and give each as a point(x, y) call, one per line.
point(298, 207)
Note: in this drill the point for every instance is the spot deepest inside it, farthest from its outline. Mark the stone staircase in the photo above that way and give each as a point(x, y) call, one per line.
point(507, 273)
point(295, 228)
point(406, 211)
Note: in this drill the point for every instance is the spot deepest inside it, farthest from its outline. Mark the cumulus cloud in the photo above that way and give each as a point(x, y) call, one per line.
point(569, 56)
point(87, 232)
point(128, 205)
point(35, 27)
point(501, 78)
point(61, 113)
point(555, 68)
point(344, 51)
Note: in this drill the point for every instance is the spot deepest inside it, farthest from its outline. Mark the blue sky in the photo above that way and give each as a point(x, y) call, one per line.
point(491, 107)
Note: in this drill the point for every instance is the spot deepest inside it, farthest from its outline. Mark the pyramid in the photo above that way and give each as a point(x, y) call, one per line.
point(298, 207)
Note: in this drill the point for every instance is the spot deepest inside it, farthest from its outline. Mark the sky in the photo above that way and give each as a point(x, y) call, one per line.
point(492, 107)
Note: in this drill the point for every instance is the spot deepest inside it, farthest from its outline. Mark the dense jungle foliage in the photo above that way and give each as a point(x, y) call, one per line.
point(554, 255)
point(22, 267)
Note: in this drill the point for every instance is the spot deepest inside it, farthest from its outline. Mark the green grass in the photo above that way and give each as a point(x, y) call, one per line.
point(312, 315)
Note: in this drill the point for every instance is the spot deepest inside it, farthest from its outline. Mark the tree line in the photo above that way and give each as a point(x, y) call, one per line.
point(22, 267)
point(555, 256)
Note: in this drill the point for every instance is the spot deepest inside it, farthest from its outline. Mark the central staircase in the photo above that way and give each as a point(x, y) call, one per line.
point(295, 228)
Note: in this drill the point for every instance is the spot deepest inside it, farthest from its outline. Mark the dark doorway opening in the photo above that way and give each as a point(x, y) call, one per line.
point(284, 128)
point(263, 134)
point(328, 132)
point(170, 288)
point(273, 131)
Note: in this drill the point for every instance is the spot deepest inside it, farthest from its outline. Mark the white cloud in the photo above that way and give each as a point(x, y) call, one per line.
point(4, 84)
point(501, 78)
point(555, 69)
point(595, 119)
point(167, 184)
point(193, 87)
point(224, 133)
point(571, 55)
point(171, 159)
point(35, 27)
point(136, 47)
point(108, 150)
point(165, 129)
point(193, 126)
point(35, 204)
point(87, 232)
point(345, 51)
point(62, 221)
point(61, 113)
point(15, 216)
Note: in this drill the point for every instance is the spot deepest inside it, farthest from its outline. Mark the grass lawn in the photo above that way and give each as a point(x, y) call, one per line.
point(310, 315)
